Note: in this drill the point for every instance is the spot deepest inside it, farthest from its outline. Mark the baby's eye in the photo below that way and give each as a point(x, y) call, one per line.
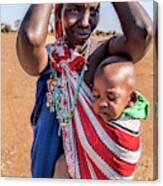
point(111, 97)
point(96, 96)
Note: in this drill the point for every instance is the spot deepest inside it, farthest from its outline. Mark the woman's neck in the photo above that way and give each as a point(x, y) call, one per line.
point(77, 48)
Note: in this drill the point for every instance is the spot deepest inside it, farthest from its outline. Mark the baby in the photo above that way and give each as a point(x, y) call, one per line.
point(114, 98)
point(114, 87)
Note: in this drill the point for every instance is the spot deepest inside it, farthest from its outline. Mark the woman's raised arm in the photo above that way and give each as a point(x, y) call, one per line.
point(31, 39)
point(137, 31)
point(137, 35)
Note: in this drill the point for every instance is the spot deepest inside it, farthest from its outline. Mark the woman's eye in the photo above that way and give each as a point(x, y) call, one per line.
point(94, 12)
point(73, 10)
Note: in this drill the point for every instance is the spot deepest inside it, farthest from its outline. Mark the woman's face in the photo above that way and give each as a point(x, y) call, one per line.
point(79, 21)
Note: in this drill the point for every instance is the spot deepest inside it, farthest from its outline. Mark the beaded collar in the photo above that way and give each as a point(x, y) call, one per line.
point(65, 63)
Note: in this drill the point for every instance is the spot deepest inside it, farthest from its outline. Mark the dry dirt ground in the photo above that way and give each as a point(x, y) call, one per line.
point(17, 101)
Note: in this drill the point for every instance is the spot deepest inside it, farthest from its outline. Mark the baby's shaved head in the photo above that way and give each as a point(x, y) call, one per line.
point(117, 68)
point(113, 87)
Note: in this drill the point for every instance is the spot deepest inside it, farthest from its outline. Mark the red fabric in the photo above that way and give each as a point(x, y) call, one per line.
point(97, 171)
point(58, 58)
point(78, 63)
point(118, 165)
point(122, 138)
point(75, 64)
point(56, 66)
point(84, 171)
point(57, 21)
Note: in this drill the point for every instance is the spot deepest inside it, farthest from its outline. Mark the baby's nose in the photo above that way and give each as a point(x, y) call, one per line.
point(103, 103)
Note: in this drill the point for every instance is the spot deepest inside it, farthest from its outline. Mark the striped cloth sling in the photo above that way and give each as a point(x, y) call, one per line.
point(98, 150)
point(94, 149)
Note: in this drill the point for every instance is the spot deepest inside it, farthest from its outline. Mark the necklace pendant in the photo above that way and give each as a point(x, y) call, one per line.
point(61, 126)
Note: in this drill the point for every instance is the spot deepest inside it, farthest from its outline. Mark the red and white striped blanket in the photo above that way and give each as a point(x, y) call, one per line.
point(95, 149)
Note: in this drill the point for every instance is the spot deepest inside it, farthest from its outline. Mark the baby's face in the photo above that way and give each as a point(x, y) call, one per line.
point(110, 96)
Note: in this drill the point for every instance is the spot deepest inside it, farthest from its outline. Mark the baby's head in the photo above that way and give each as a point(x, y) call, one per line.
point(113, 87)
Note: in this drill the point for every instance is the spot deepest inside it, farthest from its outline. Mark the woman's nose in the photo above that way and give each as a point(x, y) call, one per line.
point(85, 18)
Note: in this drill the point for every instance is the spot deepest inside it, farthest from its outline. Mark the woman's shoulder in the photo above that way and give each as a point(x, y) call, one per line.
point(94, 44)
point(97, 41)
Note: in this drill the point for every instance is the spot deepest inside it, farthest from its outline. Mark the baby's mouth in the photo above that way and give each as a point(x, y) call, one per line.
point(105, 116)
point(104, 112)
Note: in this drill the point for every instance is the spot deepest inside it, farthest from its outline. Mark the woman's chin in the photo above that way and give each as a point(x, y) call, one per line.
point(80, 39)
point(77, 39)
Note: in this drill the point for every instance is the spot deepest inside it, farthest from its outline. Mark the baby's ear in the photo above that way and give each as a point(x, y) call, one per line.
point(132, 100)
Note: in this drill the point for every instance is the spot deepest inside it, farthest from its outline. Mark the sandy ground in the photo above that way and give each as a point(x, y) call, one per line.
point(17, 101)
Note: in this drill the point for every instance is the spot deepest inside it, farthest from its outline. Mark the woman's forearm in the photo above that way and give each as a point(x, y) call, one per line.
point(134, 20)
point(137, 31)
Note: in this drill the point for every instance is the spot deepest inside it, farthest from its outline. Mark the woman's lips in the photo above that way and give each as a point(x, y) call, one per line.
point(82, 36)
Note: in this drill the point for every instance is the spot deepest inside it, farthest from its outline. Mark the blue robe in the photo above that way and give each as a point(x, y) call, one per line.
point(47, 145)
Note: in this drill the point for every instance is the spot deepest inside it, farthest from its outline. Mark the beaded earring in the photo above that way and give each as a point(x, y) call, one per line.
point(58, 21)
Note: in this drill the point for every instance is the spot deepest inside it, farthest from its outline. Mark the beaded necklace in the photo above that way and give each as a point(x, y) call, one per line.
point(65, 62)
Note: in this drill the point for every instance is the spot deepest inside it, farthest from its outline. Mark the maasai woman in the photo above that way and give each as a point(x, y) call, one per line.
point(78, 22)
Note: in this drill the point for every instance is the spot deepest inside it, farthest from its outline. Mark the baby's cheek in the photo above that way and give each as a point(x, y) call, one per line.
point(95, 107)
point(118, 111)
point(113, 110)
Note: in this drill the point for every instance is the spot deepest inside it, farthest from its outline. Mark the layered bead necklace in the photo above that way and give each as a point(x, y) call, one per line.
point(65, 63)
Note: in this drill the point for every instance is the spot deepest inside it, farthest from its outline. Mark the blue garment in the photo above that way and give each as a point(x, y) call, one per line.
point(47, 145)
